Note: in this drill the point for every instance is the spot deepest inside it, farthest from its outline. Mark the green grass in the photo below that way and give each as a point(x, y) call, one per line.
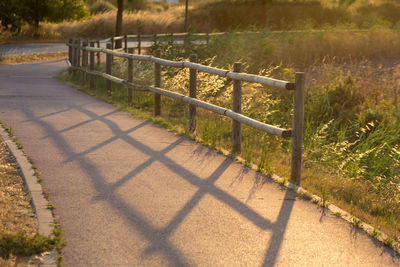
point(22, 244)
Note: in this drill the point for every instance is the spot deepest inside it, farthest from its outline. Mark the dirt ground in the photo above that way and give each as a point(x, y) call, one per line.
point(16, 212)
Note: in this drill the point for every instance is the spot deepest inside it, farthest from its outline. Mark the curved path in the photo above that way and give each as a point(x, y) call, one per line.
point(27, 49)
point(129, 193)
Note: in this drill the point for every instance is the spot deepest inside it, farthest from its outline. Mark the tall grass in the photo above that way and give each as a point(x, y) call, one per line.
point(227, 15)
point(240, 14)
point(102, 25)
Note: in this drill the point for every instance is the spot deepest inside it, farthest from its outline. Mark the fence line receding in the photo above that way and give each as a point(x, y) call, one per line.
point(82, 54)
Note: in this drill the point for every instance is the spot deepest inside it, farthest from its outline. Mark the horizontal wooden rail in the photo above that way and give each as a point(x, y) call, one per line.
point(150, 37)
point(193, 101)
point(186, 64)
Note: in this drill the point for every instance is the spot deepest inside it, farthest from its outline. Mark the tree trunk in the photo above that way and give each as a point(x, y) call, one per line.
point(186, 15)
point(118, 25)
point(36, 19)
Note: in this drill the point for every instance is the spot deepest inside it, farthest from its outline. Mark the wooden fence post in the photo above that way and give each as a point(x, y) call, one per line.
point(237, 107)
point(84, 61)
point(112, 43)
point(108, 70)
point(91, 83)
point(207, 39)
point(157, 81)
point(192, 94)
point(155, 40)
point(79, 53)
point(126, 43)
point(70, 55)
point(298, 122)
point(139, 41)
point(98, 53)
point(76, 56)
point(130, 79)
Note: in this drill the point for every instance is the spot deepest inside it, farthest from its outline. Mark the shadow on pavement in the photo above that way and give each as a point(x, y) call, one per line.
point(159, 237)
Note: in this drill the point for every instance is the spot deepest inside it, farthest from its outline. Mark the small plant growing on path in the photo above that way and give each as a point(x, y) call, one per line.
point(375, 233)
point(324, 197)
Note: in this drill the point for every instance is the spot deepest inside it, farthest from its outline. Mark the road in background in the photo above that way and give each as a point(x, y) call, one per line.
point(28, 49)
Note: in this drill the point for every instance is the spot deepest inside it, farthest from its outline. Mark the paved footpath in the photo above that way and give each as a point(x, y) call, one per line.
point(129, 193)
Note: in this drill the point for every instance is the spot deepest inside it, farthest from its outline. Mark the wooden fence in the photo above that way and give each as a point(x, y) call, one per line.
point(82, 57)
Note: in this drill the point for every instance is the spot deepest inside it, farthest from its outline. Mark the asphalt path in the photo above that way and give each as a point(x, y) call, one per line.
point(40, 48)
point(27, 49)
point(129, 193)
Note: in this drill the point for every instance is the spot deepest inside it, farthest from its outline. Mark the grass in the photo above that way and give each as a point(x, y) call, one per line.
point(22, 245)
point(375, 233)
point(225, 15)
point(23, 59)
point(103, 25)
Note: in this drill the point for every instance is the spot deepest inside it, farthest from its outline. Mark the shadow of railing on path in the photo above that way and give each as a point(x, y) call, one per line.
point(158, 238)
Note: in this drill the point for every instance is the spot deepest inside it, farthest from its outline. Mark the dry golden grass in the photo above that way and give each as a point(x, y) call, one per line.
point(16, 211)
point(21, 59)
point(103, 25)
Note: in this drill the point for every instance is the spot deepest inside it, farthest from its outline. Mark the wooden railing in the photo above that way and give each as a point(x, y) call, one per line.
point(82, 57)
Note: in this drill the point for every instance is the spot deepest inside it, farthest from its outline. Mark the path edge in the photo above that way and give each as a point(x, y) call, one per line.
point(39, 202)
point(301, 192)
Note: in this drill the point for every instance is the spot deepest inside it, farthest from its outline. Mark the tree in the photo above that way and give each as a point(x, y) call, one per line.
point(35, 11)
point(186, 15)
point(118, 24)
point(10, 15)
point(134, 4)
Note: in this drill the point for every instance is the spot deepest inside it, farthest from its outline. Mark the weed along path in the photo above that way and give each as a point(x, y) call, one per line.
point(129, 193)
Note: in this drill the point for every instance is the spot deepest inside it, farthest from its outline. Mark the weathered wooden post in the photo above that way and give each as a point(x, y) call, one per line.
point(79, 63)
point(192, 94)
point(207, 39)
point(237, 107)
point(157, 83)
point(108, 70)
point(98, 53)
point(91, 66)
point(70, 55)
point(76, 56)
point(126, 43)
point(84, 61)
point(298, 122)
point(112, 43)
point(139, 41)
point(130, 79)
point(186, 43)
point(155, 40)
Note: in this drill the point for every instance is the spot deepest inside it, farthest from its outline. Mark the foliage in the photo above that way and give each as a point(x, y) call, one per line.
point(10, 15)
point(22, 244)
point(229, 15)
point(33, 12)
